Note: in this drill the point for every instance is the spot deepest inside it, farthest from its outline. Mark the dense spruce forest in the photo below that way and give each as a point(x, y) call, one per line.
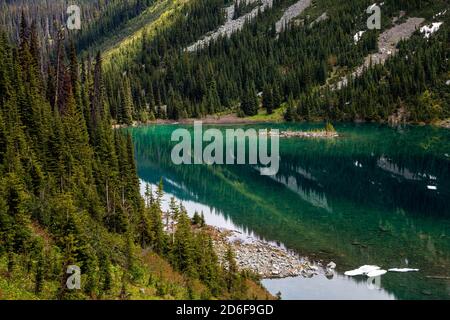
point(48, 17)
point(293, 69)
point(149, 74)
point(99, 19)
point(69, 194)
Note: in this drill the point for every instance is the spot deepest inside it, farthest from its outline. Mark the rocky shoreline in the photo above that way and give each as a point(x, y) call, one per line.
point(265, 259)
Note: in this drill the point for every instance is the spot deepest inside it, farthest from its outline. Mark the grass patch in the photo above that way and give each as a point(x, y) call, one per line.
point(276, 116)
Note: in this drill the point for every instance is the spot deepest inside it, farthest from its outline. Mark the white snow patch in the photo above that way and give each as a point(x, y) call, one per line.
point(431, 187)
point(358, 36)
point(428, 31)
point(403, 270)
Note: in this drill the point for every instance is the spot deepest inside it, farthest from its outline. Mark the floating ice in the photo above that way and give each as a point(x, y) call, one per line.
point(375, 271)
point(361, 270)
point(353, 273)
point(403, 270)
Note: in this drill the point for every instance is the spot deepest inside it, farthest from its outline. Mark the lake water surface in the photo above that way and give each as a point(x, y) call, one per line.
point(376, 195)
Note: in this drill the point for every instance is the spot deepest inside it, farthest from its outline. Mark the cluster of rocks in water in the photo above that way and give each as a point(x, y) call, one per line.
point(304, 134)
point(264, 259)
point(269, 260)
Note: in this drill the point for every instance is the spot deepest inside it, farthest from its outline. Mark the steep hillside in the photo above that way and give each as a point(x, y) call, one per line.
point(70, 196)
point(291, 50)
point(188, 58)
point(48, 15)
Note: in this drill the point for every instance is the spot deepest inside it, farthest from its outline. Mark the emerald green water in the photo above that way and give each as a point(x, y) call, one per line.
point(377, 195)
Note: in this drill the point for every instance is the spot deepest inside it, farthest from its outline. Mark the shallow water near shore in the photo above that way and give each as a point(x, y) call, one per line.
point(376, 195)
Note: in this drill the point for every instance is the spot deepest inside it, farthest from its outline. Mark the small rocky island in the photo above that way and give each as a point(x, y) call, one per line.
point(327, 132)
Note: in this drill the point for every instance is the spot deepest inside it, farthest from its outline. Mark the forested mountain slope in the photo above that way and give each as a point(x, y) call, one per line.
point(69, 195)
point(295, 52)
point(153, 75)
point(48, 16)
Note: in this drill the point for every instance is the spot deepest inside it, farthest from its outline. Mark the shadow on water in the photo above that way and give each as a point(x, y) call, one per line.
point(377, 195)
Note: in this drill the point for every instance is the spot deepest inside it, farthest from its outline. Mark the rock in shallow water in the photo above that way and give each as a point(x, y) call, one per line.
point(329, 274)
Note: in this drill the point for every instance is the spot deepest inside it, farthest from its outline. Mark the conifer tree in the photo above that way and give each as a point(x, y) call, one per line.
point(268, 102)
point(126, 112)
point(182, 251)
point(276, 96)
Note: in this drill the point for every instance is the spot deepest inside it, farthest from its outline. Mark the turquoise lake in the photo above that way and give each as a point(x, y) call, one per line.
point(376, 195)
